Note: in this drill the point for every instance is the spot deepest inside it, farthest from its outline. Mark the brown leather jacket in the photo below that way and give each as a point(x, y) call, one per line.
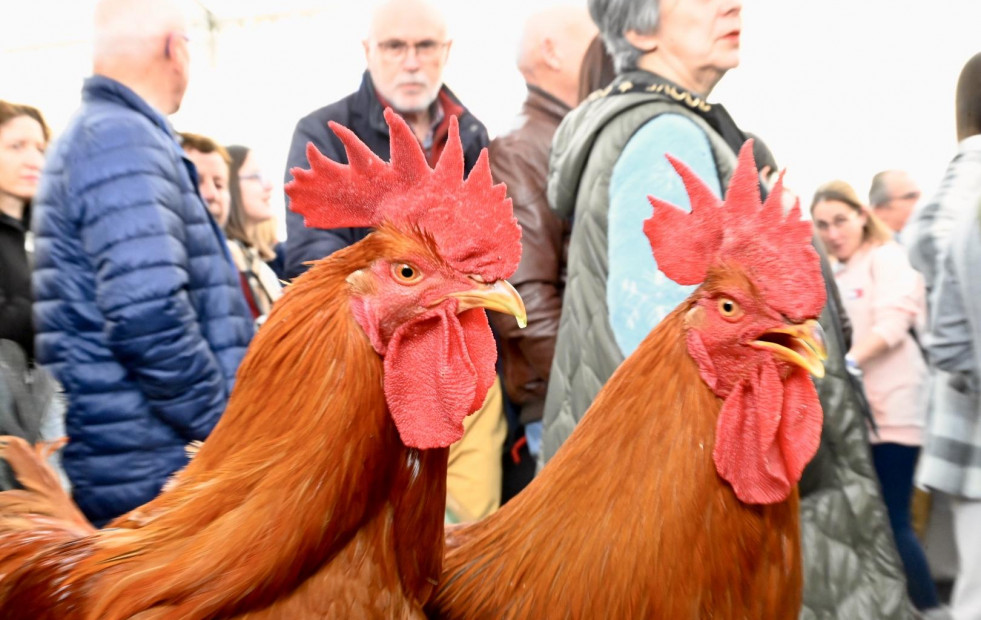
point(520, 160)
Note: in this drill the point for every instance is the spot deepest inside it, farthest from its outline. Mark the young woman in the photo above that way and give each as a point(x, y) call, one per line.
point(23, 139)
point(250, 193)
point(885, 299)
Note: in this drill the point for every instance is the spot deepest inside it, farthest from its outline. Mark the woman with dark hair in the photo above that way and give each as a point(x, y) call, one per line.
point(250, 194)
point(23, 139)
point(886, 301)
point(30, 407)
point(597, 69)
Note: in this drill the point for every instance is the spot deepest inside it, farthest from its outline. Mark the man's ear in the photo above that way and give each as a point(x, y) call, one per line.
point(366, 44)
point(646, 43)
point(550, 55)
point(449, 44)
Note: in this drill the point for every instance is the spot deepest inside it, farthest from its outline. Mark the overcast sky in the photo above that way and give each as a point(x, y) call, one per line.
point(839, 88)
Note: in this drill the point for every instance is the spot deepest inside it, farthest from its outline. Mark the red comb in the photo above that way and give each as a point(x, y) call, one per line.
point(471, 221)
point(774, 246)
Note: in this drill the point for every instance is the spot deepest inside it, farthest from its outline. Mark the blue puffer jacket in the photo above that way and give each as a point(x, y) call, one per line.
point(139, 312)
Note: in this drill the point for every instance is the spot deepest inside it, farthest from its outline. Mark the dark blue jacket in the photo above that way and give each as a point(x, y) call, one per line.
point(361, 112)
point(139, 311)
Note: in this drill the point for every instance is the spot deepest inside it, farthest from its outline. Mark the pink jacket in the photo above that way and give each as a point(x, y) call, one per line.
point(883, 294)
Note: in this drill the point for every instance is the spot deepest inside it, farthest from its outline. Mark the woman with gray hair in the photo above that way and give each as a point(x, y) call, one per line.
point(607, 157)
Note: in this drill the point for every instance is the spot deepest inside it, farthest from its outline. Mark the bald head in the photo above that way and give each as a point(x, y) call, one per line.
point(388, 16)
point(892, 196)
point(143, 44)
point(969, 99)
point(406, 50)
point(552, 46)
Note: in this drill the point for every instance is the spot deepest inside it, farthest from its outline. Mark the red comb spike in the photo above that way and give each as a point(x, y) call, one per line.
point(472, 223)
point(450, 166)
point(405, 151)
point(744, 186)
point(773, 246)
point(359, 156)
point(686, 258)
point(699, 194)
point(480, 175)
point(307, 196)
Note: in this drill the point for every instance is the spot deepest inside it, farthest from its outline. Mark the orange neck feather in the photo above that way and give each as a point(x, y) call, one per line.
point(630, 511)
point(305, 455)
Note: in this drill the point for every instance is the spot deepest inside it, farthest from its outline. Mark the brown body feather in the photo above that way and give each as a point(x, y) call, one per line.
point(630, 519)
point(303, 503)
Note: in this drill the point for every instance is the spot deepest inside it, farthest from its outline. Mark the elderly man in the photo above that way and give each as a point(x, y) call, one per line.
point(550, 55)
point(139, 313)
point(945, 247)
point(893, 196)
point(406, 50)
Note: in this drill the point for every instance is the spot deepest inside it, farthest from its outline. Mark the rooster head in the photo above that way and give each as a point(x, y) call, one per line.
point(438, 257)
point(751, 326)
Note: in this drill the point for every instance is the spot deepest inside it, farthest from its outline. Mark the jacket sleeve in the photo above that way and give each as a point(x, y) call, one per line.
point(309, 244)
point(950, 345)
point(527, 356)
point(638, 295)
point(930, 227)
point(136, 242)
point(899, 294)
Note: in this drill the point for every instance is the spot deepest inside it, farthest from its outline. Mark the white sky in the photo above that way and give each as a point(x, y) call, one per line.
point(838, 89)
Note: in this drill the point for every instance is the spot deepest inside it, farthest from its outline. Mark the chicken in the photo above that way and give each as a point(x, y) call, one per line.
point(320, 493)
point(676, 495)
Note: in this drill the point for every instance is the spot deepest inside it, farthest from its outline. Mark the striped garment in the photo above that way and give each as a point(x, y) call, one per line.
point(945, 244)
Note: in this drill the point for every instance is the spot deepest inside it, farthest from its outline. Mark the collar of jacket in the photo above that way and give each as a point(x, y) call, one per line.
point(9, 222)
point(543, 101)
point(102, 88)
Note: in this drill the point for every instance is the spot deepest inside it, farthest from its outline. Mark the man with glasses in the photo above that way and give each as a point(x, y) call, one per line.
point(892, 197)
point(139, 312)
point(406, 50)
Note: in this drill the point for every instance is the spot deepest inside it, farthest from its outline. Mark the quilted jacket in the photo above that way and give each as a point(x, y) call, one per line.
point(851, 568)
point(139, 312)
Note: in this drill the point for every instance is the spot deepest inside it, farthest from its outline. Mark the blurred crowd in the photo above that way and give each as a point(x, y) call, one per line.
point(137, 260)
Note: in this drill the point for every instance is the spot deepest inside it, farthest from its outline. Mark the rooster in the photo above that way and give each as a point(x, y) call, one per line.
point(320, 493)
point(676, 495)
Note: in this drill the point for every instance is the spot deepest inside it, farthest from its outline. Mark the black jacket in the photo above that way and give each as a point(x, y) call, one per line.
point(362, 113)
point(15, 284)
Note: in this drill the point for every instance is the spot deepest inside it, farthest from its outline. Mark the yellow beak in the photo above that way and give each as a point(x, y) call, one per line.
point(802, 345)
point(499, 296)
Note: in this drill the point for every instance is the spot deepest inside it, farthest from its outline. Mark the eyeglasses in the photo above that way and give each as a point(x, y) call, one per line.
point(396, 49)
point(255, 176)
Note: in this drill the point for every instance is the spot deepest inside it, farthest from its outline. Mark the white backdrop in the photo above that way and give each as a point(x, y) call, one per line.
point(840, 88)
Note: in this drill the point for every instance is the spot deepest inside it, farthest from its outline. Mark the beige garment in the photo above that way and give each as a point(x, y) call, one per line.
point(265, 286)
point(473, 477)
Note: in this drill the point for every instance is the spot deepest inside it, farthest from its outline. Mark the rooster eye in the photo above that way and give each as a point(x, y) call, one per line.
point(406, 273)
point(728, 308)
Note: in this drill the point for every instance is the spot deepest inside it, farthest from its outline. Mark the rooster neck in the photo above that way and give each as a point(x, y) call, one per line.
point(637, 474)
point(304, 481)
